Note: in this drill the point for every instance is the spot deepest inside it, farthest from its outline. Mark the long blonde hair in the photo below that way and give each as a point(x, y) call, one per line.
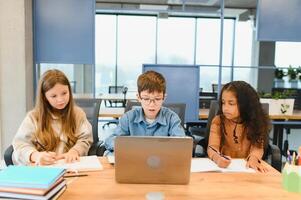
point(44, 113)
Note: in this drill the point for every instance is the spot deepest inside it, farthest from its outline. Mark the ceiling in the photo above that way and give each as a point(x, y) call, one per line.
point(233, 8)
point(245, 4)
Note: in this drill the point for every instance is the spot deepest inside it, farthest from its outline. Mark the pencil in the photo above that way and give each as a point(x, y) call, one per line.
point(74, 175)
point(42, 147)
point(219, 153)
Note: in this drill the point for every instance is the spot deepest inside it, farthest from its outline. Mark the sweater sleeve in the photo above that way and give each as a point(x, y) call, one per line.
point(256, 151)
point(83, 133)
point(22, 142)
point(214, 137)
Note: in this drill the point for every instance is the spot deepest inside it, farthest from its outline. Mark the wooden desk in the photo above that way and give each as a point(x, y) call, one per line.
point(234, 186)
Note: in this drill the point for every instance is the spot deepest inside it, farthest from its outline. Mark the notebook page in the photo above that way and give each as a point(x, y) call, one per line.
point(203, 165)
point(86, 163)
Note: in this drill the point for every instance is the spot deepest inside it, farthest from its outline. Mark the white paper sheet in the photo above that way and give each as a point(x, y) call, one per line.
point(111, 159)
point(207, 165)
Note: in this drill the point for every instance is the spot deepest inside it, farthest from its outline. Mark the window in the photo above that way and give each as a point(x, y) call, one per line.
point(80, 76)
point(243, 53)
point(207, 54)
point(105, 52)
point(125, 42)
point(176, 40)
point(286, 54)
point(136, 46)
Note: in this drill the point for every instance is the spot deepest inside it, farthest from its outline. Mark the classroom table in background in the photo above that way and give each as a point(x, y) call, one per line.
point(118, 96)
point(234, 186)
point(279, 122)
point(107, 96)
point(118, 112)
point(114, 112)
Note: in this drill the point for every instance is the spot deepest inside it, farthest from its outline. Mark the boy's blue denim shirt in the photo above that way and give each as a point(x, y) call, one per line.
point(133, 123)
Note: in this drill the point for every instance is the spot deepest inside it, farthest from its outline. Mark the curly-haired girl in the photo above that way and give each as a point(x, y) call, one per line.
point(240, 130)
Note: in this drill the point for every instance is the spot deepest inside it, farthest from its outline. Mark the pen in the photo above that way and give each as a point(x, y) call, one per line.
point(74, 175)
point(213, 149)
point(293, 159)
point(289, 159)
point(39, 144)
point(299, 153)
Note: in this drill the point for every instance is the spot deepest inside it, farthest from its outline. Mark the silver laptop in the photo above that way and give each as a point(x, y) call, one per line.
point(162, 160)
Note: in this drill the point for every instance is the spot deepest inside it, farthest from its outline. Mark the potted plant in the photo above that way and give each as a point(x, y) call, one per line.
point(280, 103)
point(278, 81)
point(292, 74)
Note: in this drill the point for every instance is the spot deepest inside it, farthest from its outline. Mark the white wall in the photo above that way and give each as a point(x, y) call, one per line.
point(16, 66)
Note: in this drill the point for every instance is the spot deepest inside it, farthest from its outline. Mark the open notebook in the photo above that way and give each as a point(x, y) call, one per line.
point(86, 163)
point(207, 165)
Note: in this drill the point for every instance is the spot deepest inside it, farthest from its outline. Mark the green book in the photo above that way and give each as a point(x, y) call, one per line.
point(30, 176)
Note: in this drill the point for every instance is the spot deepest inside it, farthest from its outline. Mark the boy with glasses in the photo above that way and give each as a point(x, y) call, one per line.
point(151, 119)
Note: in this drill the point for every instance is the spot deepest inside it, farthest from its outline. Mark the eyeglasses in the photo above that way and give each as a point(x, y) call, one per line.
point(147, 100)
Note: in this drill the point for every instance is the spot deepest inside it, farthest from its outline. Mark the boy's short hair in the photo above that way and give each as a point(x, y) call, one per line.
point(151, 81)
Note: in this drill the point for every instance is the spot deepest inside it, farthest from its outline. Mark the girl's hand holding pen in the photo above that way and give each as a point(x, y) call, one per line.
point(221, 160)
point(43, 158)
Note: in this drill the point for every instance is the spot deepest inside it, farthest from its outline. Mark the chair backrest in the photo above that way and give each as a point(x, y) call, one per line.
point(215, 87)
point(8, 155)
point(205, 98)
point(91, 108)
point(116, 89)
point(178, 108)
point(214, 106)
point(130, 104)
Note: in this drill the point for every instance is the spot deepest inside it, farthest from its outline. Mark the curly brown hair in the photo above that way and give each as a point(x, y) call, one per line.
point(252, 115)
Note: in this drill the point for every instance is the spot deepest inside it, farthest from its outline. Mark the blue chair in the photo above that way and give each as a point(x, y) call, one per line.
point(91, 108)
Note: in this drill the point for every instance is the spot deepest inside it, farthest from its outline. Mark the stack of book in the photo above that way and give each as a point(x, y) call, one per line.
point(31, 182)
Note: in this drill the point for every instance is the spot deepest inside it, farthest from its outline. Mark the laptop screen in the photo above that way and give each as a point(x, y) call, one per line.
point(143, 159)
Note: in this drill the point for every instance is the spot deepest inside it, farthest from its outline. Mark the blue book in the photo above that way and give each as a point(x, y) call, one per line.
point(30, 176)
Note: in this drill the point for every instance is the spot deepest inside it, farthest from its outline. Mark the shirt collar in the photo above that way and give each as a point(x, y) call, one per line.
point(160, 118)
